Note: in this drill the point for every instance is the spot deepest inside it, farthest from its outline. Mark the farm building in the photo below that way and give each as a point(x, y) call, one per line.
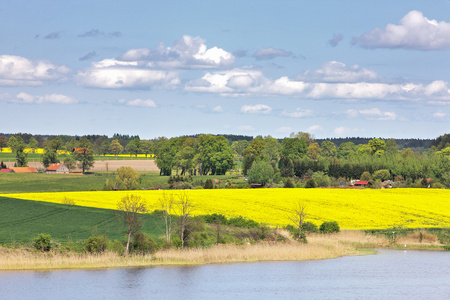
point(5, 170)
point(24, 170)
point(57, 169)
point(362, 183)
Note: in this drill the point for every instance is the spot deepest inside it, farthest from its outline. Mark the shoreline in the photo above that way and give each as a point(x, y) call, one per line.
point(319, 247)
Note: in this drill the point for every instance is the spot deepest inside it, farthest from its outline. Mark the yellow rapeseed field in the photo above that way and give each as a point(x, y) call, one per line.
point(352, 209)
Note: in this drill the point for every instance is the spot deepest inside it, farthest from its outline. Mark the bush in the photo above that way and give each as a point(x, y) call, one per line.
point(321, 179)
point(382, 175)
point(208, 184)
point(143, 244)
point(42, 242)
point(310, 227)
point(215, 218)
point(288, 183)
point(310, 184)
point(95, 244)
point(241, 222)
point(329, 227)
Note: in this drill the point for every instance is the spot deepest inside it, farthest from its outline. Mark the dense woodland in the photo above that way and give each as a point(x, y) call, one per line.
point(262, 159)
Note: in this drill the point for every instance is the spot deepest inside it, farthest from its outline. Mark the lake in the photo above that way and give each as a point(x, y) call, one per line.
point(391, 274)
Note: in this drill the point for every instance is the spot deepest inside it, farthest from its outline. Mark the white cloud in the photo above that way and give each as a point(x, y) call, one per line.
point(439, 115)
point(186, 53)
point(270, 53)
point(335, 71)
point(284, 129)
point(340, 131)
point(298, 113)
point(335, 40)
point(24, 98)
point(246, 128)
point(372, 114)
point(314, 128)
point(256, 109)
point(217, 109)
point(141, 103)
point(17, 71)
point(414, 31)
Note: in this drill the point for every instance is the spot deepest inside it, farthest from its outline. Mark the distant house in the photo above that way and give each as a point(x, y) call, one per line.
point(57, 169)
point(362, 183)
point(5, 170)
point(24, 170)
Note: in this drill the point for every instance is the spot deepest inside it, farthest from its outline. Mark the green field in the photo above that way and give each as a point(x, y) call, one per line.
point(23, 220)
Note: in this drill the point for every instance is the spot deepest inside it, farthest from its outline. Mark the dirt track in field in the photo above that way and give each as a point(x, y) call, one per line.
point(109, 165)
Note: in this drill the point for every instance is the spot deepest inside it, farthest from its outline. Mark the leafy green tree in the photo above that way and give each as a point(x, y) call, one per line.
point(321, 179)
point(254, 152)
point(305, 136)
point(383, 175)
point(3, 142)
point(286, 167)
point(328, 149)
point(377, 146)
point(271, 149)
point(146, 147)
point(83, 155)
point(166, 158)
point(214, 155)
point(56, 144)
point(208, 184)
point(261, 172)
point(186, 156)
point(293, 148)
point(115, 147)
point(49, 157)
point(347, 149)
point(127, 178)
point(239, 146)
point(365, 176)
point(313, 151)
point(310, 184)
point(391, 147)
point(18, 146)
point(132, 148)
point(329, 227)
point(33, 144)
point(42, 242)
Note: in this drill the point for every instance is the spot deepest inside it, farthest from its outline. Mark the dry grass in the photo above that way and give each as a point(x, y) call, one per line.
point(419, 237)
point(318, 247)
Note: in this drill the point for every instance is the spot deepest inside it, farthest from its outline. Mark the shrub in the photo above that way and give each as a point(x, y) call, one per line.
point(42, 242)
point(382, 175)
point(143, 244)
point(321, 179)
point(310, 184)
point(310, 227)
point(215, 218)
point(329, 227)
point(95, 244)
point(242, 222)
point(208, 184)
point(288, 183)
point(365, 176)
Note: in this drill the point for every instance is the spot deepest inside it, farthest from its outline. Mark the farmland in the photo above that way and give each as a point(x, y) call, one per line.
point(352, 209)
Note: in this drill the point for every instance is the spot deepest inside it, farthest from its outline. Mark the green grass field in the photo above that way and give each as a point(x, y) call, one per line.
point(22, 220)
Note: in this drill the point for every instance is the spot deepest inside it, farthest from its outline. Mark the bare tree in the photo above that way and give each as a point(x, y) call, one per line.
point(297, 216)
point(166, 203)
point(185, 208)
point(129, 208)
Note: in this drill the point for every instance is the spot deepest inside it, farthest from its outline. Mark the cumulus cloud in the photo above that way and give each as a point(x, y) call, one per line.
point(439, 114)
point(186, 53)
point(17, 70)
point(414, 31)
point(335, 71)
point(314, 128)
point(256, 109)
point(298, 113)
point(140, 103)
point(270, 53)
point(335, 40)
point(24, 98)
point(372, 114)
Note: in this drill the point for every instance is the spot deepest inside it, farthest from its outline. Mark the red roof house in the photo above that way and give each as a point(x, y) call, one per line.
point(362, 183)
point(57, 169)
point(24, 170)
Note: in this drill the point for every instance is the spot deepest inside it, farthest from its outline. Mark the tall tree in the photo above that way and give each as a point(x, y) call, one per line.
point(33, 144)
point(328, 149)
point(146, 147)
point(129, 209)
point(83, 154)
point(254, 152)
point(185, 208)
point(115, 147)
point(127, 178)
point(3, 142)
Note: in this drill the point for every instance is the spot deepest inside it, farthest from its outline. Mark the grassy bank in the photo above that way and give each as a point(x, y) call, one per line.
point(319, 247)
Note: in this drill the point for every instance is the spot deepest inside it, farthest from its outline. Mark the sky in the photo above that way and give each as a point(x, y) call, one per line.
point(172, 68)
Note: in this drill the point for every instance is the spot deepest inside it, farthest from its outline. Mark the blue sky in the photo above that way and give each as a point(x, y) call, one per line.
point(170, 68)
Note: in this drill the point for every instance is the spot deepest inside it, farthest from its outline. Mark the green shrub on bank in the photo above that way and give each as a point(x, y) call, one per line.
point(42, 242)
point(95, 244)
point(329, 227)
point(143, 244)
point(310, 227)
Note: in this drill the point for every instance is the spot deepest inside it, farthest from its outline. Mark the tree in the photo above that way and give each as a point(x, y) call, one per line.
point(33, 144)
point(346, 150)
point(377, 146)
point(185, 209)
point(133, 147)
point(127, 178)
point(166, 157)
point(297, 217)
point(186, 156)
point(365, 176)
point(261, 172)
point(253, 152)
point(56, 144)
point(49, 157)
point(146, 147)
point(321, 179)
point(3, 142)
point(286, 167)
point(305, 136)
point(328, 149)
point(382, 175)
point(129, 208)
point(18, 146)
point(271, 149)
point(293, 148)
point(166, 203)
point(83, 154)
point(313, 151)
point(115, 147)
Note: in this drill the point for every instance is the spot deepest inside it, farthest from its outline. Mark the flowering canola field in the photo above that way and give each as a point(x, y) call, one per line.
point(352, 209)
